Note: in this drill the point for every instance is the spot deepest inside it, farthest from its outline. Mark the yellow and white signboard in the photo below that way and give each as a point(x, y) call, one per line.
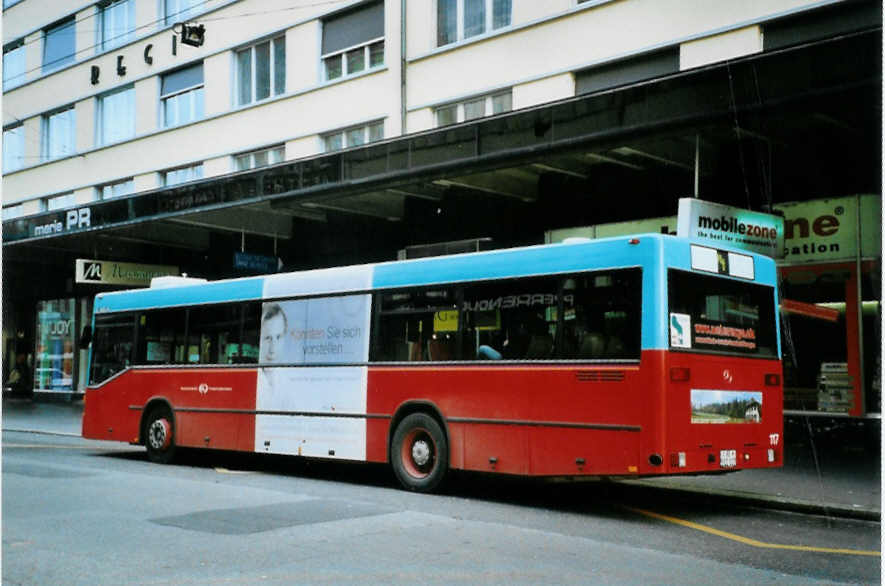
point(109, 272)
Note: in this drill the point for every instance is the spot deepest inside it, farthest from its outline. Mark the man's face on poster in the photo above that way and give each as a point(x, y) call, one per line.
point(273, 335)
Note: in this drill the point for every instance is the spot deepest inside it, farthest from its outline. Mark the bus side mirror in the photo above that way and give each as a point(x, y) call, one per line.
point(86, 336)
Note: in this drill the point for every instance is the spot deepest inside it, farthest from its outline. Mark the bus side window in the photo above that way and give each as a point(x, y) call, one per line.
point(603, 319)
point(112, 345)
point(161, 336)
point(249, 339)
point(416, 326)
point(214, 334)
point(516, 319)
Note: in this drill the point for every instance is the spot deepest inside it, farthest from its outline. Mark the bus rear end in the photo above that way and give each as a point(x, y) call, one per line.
point(723, 375)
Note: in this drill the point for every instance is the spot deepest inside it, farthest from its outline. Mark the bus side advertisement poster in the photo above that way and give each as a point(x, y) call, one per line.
point(713, 406)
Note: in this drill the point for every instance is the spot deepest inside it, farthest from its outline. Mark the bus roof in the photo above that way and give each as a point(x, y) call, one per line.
point(645, 251)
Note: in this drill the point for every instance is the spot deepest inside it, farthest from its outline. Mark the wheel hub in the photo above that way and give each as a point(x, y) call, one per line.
point(421, 452)
point(157, 434)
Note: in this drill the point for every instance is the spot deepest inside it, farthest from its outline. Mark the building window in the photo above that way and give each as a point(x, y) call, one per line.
point(13, 64)
point(268, 156)
point(354, 136)
point(117, 189)
point(182, 175)
point(461, 19)
point(59, 134)
point(12, 212)
point(261, 71)
point(116, 116)
point(117, 23)
point(58, 202)
point(58, 45)
point(474, 108)
point(182, 10)
point(13, 148)
point(353, 41)
point(182, 95)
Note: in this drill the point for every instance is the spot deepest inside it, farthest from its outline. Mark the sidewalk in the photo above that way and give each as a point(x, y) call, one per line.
point(836, 474)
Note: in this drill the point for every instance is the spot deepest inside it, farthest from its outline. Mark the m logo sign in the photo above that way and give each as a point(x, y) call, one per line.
point(111, 272)
point(92, 271)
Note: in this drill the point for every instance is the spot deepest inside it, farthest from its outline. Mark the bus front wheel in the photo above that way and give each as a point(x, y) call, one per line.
point(159, 435)
point(419, 453)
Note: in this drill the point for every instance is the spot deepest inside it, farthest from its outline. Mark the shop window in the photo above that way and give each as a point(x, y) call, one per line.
point(260, 158)
point(13, 64)
point(13, 148)
point(457, 20)
point(58, 45)
point(54, 364)
point(261, 71)
point(182, 96)
point(474, 108)
point(353, 41)
point(118, 189)
point(117, 23)
point(354, 136)
point(182, 175)
point(116, 116)
point(59, 134)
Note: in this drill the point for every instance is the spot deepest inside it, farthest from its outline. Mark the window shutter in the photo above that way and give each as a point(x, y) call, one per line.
point(181, 79)
point(353, 27)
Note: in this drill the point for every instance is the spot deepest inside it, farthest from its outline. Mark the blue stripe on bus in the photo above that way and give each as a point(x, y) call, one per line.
point(219, 291)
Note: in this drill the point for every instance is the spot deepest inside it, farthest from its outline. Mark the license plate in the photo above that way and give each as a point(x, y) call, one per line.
point(727, 458)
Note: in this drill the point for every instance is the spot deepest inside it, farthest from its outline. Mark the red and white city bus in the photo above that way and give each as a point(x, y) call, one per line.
point(630, 356)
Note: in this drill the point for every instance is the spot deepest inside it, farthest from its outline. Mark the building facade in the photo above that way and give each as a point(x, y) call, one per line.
point(223, 137)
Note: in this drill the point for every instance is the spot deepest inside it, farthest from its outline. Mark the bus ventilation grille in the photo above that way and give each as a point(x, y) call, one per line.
point(600, 376)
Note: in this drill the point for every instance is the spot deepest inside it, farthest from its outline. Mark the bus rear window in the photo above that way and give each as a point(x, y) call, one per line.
point(719, 315)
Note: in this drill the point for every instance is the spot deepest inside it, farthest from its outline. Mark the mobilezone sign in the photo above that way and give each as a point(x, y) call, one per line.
point(729, 226)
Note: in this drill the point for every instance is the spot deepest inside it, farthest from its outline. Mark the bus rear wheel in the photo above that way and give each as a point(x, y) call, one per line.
point(419, 453)
point(159, 435)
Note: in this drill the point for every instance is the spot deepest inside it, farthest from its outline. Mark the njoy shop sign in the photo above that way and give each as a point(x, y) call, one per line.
point(729, 226)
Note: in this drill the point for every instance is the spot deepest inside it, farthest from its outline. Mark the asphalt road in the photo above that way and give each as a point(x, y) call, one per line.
point(84, 512)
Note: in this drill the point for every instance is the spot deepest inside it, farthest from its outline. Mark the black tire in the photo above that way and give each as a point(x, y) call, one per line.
point(419, 453)
point(159, 435)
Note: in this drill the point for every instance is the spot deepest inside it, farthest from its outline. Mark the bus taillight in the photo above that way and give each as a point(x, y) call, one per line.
point(772, 380)
point(680, 374)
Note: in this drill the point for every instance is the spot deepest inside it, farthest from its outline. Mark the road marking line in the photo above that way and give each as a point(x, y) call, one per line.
point(226, 471)
point(748, 541)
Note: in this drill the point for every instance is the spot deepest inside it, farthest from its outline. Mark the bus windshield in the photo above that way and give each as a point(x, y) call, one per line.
point(718, 315)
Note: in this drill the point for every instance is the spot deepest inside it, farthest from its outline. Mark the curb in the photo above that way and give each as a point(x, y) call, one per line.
point(768, 502)
point(41, 432)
